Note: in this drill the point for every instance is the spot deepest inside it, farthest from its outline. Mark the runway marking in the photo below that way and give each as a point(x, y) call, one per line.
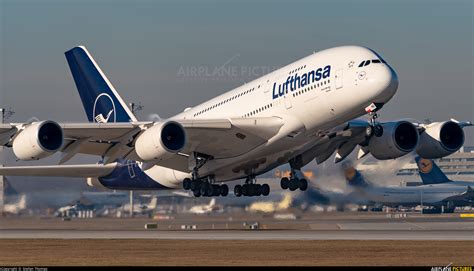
point(416, 225)
point(244, 235)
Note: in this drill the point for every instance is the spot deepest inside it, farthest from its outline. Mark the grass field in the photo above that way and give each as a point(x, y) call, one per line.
point(15, 252)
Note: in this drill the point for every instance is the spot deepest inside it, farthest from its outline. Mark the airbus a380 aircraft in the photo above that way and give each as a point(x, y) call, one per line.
point(298, 113)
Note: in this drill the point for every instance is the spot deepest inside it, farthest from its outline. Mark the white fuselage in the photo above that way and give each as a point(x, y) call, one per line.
point(311, 96)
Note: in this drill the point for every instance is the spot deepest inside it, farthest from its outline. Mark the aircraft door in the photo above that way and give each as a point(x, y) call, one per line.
point(288, 103)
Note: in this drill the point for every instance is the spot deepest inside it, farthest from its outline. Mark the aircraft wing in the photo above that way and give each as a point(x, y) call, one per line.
point(90, 170)
point(218, 138)
point(6, 131)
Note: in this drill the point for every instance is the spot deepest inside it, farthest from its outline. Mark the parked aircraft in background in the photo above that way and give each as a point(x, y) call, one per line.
point(437, 191)
point(206, 208)
point(301, 112)
point(15, 207)
point(271, 206)
point(74, 209)
point(143, 208)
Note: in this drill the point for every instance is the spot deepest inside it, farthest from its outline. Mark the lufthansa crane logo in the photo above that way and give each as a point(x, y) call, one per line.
point(104, 109)
point(425, 165)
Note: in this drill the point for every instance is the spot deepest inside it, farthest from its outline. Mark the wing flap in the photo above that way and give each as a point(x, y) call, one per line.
point(101, 132)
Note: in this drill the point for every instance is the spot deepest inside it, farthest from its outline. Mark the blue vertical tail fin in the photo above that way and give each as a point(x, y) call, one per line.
point(101, 101)
point(430, 173)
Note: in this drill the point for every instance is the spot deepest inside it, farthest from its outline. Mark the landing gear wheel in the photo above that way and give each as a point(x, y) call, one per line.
point(206, 189)
point(303, 184)
point(378, 130)
point(284, 183)
point(197, 193)
point(224, 190)
point(245, 190)
point(195, 184)
point(293, 185)
point(265, 189)
point(238, 190)
point(369, 131)
point(187, 184)
point(251, 190)
point(258, 190)
point(216, 190)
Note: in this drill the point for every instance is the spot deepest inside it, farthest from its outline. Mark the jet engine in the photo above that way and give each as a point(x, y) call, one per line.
point(160, 141)
point(440, 139)
point(396, 140)
point(38, 140)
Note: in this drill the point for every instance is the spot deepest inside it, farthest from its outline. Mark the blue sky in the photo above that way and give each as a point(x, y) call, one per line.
point(142, 45)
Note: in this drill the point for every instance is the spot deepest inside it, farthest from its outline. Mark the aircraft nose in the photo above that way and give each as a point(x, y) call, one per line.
point(385, 82)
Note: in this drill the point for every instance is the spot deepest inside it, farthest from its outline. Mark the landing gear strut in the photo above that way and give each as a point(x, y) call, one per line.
point(251, 188)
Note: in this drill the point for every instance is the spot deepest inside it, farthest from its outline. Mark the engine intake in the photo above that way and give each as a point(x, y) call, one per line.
point(440, 139)
point(397, 139)
point(38, 140)
point(160, 141)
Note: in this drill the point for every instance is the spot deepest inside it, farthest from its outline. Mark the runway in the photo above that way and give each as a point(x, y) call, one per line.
point(438, 235)
point(321, 239)
point(219, 227)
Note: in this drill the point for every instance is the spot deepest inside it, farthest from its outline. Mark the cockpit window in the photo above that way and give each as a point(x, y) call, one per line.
point(367, 62)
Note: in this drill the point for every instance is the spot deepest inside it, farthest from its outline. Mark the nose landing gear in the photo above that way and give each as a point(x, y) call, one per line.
point(374, 128)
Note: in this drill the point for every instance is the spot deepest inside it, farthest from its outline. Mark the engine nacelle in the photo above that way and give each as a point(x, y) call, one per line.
point(94, 182)
point(160, 141)
point(397, 139)
point(440, 139)
point(38, 140)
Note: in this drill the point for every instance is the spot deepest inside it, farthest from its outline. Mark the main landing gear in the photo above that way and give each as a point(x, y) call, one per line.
point(294, 182)
point(251, 188)
point(206, 186)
